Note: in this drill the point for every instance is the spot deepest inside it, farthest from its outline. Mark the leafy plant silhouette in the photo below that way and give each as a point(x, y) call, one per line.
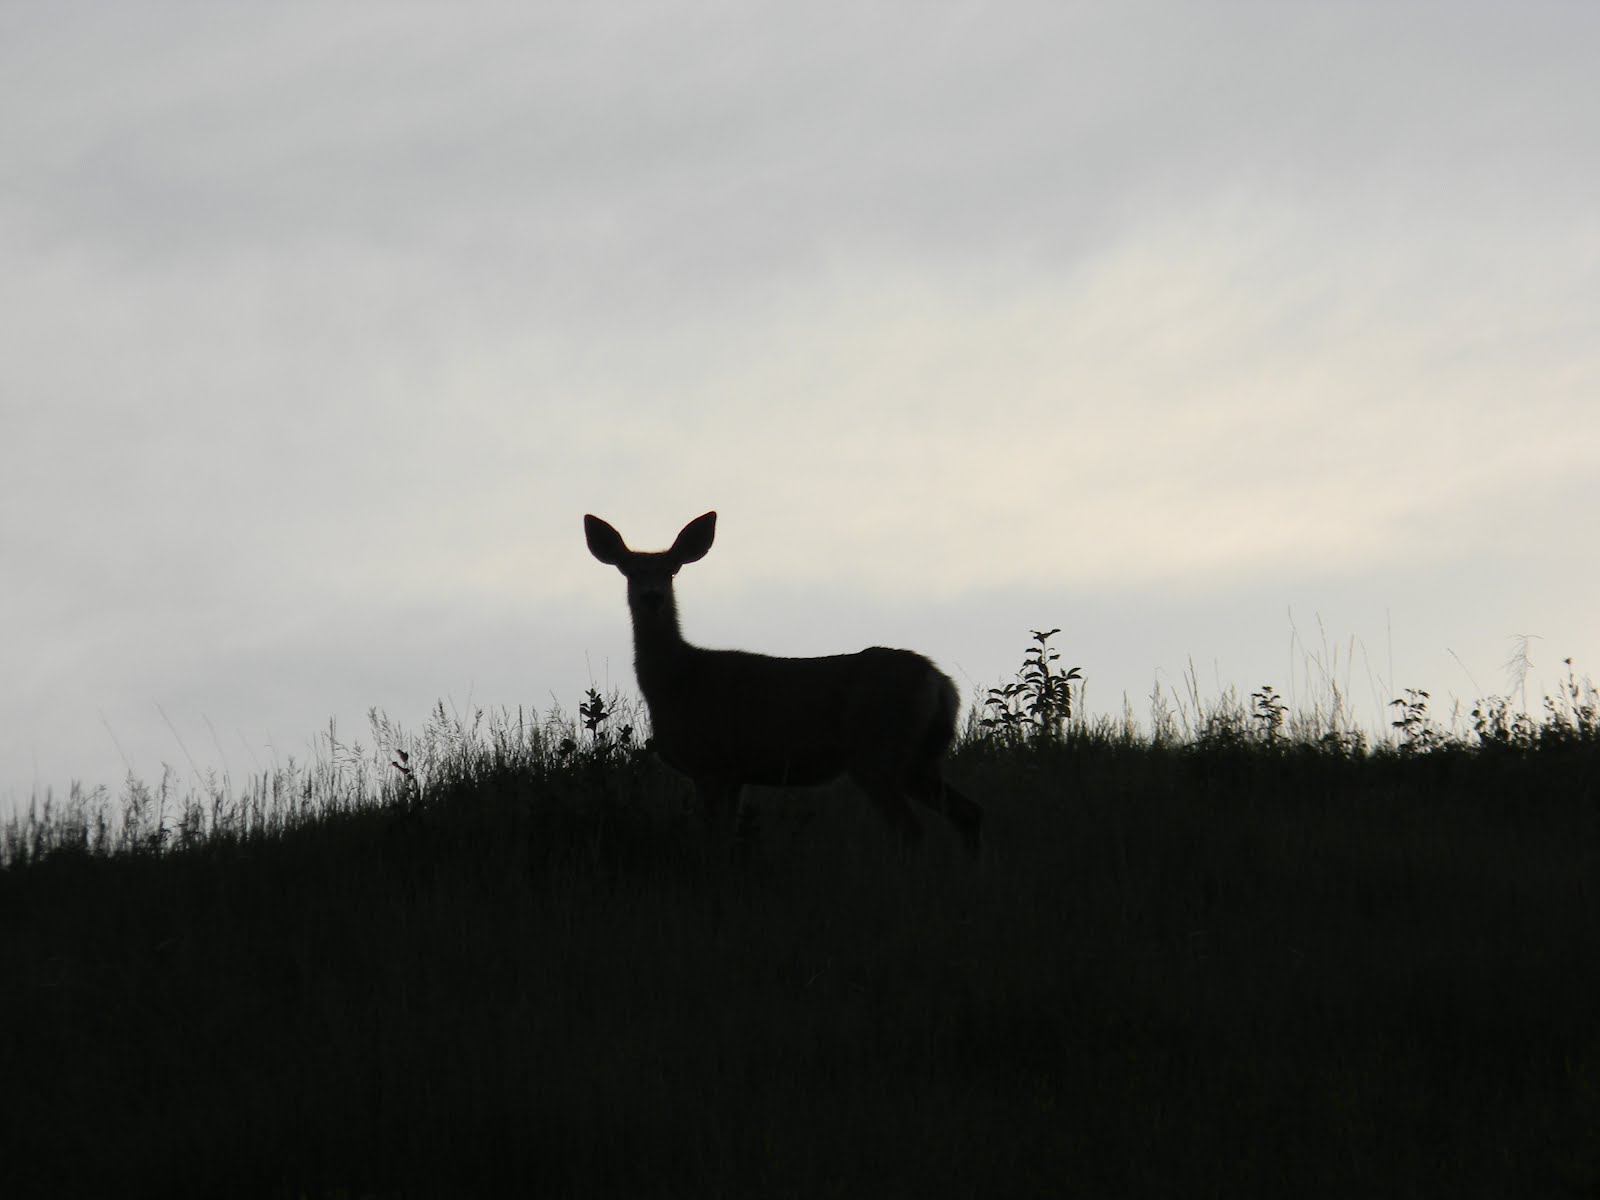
point(1038, 704)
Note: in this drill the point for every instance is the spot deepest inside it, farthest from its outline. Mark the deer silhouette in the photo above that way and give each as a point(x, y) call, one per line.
point(726, 718)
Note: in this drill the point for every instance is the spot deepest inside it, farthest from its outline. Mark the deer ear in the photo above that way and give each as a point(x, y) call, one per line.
point(605, 543)
point(695, 539)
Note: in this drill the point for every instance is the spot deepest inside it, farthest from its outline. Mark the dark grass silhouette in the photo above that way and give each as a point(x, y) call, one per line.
point(1230, 966)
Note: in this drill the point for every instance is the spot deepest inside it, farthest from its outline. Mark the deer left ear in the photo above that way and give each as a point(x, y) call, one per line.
point(695, 540)
point(605, 543)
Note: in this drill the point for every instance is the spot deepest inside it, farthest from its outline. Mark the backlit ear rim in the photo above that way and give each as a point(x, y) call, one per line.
point(605, 543)
point(694, 541)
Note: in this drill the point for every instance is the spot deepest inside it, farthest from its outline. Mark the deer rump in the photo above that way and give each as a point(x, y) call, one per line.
point(799, 722)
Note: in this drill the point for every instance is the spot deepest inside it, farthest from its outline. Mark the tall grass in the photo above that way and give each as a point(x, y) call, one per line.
point(1239, 951)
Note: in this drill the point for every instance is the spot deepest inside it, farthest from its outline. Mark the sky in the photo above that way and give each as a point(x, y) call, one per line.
point(1252, 339)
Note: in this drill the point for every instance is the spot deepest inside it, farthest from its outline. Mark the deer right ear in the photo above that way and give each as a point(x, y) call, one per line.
point(605, 543)
point(694, 541)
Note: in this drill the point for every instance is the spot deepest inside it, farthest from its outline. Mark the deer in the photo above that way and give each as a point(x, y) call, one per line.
point(727, 718)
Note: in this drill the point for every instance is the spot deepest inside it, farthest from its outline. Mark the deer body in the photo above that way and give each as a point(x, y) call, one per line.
point(727, 718)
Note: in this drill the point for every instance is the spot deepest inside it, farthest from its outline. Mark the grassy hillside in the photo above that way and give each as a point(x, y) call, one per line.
point(1245, 962)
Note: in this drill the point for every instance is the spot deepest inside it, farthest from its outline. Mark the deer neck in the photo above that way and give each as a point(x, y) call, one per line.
point(659, 650)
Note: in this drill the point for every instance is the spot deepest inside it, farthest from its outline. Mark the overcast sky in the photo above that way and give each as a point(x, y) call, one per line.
point(1262, 334)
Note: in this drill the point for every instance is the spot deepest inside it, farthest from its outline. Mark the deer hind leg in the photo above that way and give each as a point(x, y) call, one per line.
point(925, 784)
point(719, 801)
point(883, 788)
